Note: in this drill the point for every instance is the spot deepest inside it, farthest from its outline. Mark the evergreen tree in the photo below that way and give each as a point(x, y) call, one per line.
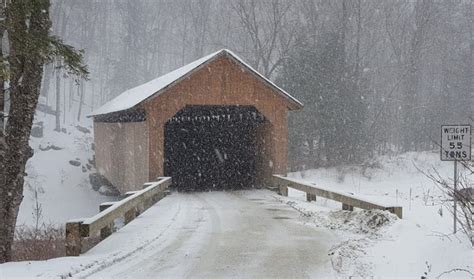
point(331, 127)
point(30, 47)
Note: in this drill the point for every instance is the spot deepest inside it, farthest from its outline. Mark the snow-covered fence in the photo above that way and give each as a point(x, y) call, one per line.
point(348, 201)
point(130, 207)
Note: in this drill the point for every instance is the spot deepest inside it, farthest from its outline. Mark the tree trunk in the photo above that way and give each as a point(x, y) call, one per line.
point(471, 49)
point(411, 117)
point(58, 98)
point(2, 80)
point(64, 103)
point(48, 72)
point(2, 104)
point(343, 147)
point(345, 19)
point(3, 145)
point(81, 100)
point(25, 83)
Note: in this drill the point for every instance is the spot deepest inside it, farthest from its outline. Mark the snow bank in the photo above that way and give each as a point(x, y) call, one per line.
point(422, 242)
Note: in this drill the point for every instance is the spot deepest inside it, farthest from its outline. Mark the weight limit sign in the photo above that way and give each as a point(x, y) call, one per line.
point(456, 142)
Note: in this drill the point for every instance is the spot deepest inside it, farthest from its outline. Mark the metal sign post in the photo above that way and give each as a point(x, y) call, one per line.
point(455, 207)
point(455, 146)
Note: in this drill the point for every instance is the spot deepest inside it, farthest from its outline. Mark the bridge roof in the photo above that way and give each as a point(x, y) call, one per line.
point(137, 95)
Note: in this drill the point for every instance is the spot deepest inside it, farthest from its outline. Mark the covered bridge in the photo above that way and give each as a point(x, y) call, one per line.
point(214, 123)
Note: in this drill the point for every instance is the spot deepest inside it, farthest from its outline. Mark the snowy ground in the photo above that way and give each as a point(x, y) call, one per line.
point(260, 234)
point(64, 191)
point(421, 242)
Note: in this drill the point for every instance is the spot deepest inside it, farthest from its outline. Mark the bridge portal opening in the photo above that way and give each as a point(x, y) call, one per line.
point(215, 147)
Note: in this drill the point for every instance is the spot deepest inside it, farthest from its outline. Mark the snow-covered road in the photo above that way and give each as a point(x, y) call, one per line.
point(223, 234)
point(260, 234)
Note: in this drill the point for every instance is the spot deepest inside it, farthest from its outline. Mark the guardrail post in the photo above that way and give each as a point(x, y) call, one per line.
point(347, 207)
point(310, 197)
point(106, 231)
point(147, 203)
point(283, 190)
point(397, 210)
point(159, 197)
point(130, 215)
point(73, 238)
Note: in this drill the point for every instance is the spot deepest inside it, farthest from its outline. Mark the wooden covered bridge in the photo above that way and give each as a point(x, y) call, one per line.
point(214, 123)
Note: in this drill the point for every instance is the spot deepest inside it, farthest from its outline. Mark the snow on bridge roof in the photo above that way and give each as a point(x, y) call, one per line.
point(136, 95)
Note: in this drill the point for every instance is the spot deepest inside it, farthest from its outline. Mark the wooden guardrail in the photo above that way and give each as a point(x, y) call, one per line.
point(131, 206)
point(348, 201)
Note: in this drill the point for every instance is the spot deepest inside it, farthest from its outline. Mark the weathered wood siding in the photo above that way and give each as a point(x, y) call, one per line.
point(129, 154)
point(122, 153)
point(221, 82)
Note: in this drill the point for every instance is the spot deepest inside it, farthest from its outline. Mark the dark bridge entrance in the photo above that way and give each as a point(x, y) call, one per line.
point(213, 147)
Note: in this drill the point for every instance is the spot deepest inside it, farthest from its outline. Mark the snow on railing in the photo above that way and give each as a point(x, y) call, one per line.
point(348, 201)
point(134, 203)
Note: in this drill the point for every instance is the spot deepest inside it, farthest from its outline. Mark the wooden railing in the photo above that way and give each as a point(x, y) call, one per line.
point(131, 206)
point(348, 201)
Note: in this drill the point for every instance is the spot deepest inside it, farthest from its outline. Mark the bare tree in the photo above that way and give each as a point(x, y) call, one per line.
point(271, 33)
point(423, 14)
point(464, 196)
point(200, 12)
point(58, 96)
